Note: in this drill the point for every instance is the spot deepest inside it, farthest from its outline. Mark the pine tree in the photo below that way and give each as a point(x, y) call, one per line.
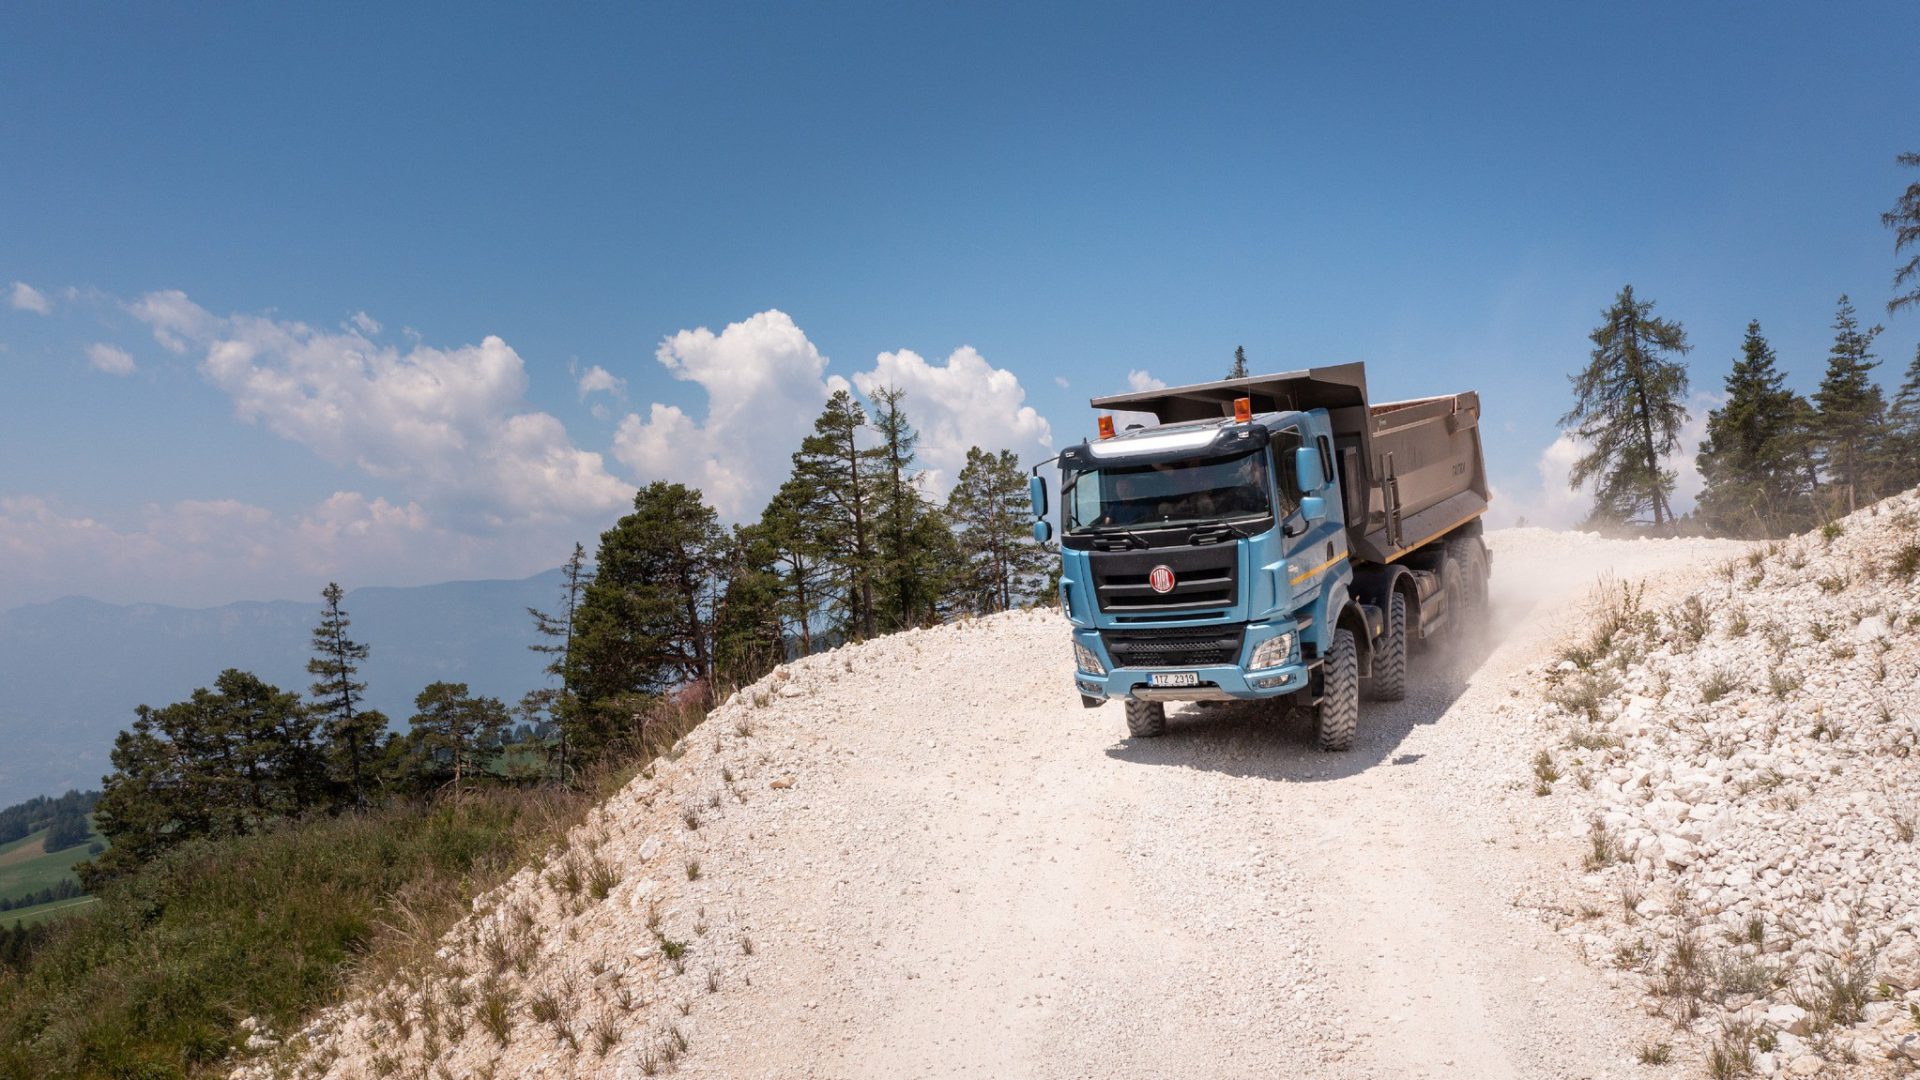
point(457, 729)
point(749, 635)
point(1628, 409)
point(1751, 460)
point(337, 694)
point(224, 762)
point(1904, 220)
point(841, 471)
point(908, 573)
point(559, 703)
point(792, 524)
point(1852, 410)
point(988, 509)
point(644, 625)
point(1902, 456)
point(1239, 368)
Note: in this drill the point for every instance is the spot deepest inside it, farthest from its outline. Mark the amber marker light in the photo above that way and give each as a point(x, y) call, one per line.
point(1106, 427)
point(1242, 409)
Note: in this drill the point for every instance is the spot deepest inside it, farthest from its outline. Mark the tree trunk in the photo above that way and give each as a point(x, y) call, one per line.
point(1646, 426)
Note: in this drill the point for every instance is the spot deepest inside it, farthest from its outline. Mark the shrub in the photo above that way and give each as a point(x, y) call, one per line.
point(1906, 561)
point(1718, 685)
point(1585, 693)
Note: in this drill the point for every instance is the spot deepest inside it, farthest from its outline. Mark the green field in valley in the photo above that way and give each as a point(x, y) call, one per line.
point(26, 868)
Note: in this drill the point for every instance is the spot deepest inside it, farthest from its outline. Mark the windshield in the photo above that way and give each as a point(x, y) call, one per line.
point(1169, 493)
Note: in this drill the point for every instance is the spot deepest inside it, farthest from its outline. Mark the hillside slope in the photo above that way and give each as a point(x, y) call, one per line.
point(1745, 767)
point(921, 856)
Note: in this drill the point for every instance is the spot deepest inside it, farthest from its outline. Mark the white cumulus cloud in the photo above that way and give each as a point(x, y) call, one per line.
point(764, 385)
point(598, 380)
point(111, 359)
point(25, 297)
point(212, 551)
point(448, 426)
point(1138, 382)
point(961, 403)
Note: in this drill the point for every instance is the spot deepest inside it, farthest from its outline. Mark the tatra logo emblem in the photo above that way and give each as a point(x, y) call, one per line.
point(1161, 579)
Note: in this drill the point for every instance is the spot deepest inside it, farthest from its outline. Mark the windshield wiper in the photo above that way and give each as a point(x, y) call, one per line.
point(1209, 534)
point(1118, 530)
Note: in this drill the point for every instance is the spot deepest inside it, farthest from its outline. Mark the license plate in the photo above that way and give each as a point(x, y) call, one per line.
point(1174, 678)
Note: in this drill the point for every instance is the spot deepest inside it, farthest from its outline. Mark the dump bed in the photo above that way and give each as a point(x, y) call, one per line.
point(1412, 471)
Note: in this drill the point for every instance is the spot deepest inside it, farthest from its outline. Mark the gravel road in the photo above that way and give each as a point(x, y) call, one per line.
point(921, 856)
point(976, 876)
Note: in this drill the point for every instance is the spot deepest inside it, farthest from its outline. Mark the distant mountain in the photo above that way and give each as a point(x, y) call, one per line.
point(71, 671)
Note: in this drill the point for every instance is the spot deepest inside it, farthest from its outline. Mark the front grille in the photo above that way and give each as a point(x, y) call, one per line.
point(1204, 577)
point(1173, 649)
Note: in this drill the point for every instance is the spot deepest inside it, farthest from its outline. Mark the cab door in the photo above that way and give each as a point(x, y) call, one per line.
point(1318, 547)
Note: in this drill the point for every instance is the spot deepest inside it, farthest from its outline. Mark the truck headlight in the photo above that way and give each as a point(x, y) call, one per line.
point(1085, 660)
point(1272, 652)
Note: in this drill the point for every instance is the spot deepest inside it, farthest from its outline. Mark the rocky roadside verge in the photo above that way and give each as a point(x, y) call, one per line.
point(1744, 767)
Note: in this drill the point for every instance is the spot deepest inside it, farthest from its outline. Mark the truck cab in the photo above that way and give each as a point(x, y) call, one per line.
point(1213, 557)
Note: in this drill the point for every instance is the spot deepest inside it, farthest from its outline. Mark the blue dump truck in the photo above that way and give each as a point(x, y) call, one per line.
point(1277, 537)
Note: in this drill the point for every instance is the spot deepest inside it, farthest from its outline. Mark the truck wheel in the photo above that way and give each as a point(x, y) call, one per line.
point(1470, 586)
point(1389, 681)
point(1339, 710)
point(1146, 719)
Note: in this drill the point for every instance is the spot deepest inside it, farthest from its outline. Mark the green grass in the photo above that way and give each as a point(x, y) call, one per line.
point(36, 872)
point(39, 913)
point(24, 870)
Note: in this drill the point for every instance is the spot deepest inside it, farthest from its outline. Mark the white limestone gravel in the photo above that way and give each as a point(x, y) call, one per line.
point(1739, 772)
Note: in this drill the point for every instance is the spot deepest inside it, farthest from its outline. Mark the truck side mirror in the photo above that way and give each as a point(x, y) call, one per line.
point(1037, 495)
point(1306, 470)
point(1042, 531)
point(1313, 507)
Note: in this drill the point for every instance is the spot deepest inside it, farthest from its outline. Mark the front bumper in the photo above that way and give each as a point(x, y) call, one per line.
point(1217, 682)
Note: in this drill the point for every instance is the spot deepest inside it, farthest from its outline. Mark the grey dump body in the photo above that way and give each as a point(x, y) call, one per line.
point(1411, 471)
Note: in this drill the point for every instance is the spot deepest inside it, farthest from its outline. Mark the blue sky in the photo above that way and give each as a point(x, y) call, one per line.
point(1073, 193)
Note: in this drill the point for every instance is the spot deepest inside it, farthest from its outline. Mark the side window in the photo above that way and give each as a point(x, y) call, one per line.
point(1354, 490)
point(1285, 442)
point(1086, 500)
point(1326, 458)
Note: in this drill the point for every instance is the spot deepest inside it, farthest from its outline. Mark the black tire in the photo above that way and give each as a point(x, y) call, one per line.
point(1339, 711)
point(1146, 719)
point(1469, 560)
point(1389, 681)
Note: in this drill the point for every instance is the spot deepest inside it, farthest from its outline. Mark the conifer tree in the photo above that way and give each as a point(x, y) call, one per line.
point(909, 572)
point(1239, 368)
point(224, 762)
point(644, 625)
point(1852, 410)
point(459, 731)
point(749, 635)
point(1903, 431)
point(1628, 410)
point(835, 465)
point(791, 524)
point(351, 737)
point(559, 702)
point(1904, 220)
point(1751, 459)
point(988, 509)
